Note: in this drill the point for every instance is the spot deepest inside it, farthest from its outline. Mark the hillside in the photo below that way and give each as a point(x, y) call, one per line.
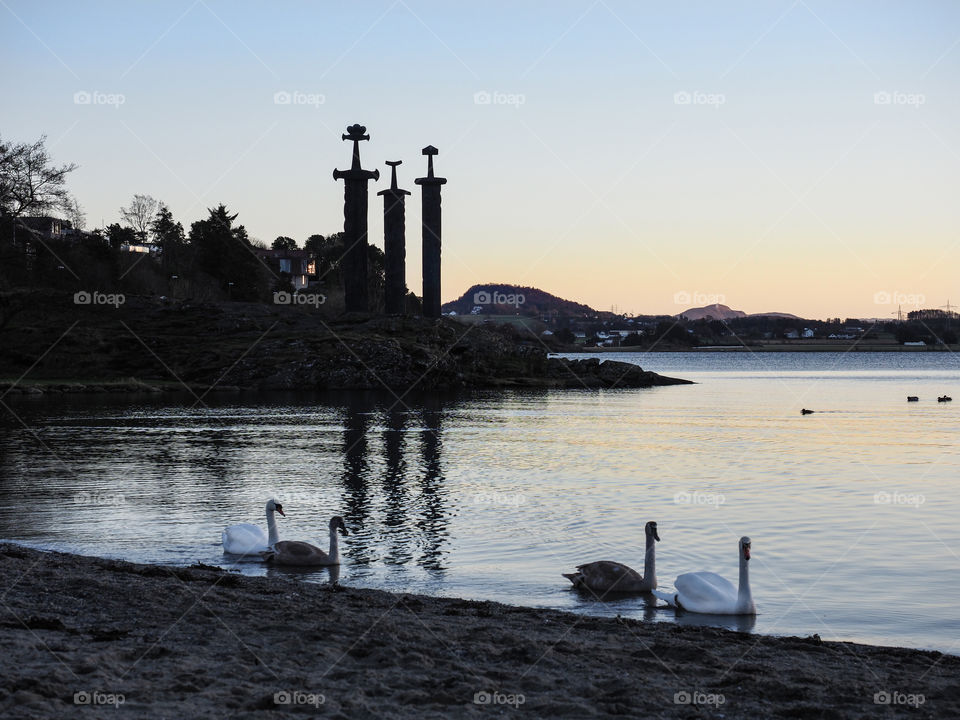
point(505, 299)
point(716, 311)
point(724, 312)
point(785, 316)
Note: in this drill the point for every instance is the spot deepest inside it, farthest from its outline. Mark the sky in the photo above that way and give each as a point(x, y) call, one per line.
point(783, 155)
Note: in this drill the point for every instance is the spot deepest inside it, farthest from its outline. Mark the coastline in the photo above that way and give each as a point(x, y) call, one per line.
point(205, 643)
point(786, 346)
point(148, 345)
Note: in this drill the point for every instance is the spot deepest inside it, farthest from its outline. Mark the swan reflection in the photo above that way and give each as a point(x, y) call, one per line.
point(329, 574)
point(738, 623)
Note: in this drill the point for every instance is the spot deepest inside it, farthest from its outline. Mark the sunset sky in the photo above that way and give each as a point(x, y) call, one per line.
point(775, 156)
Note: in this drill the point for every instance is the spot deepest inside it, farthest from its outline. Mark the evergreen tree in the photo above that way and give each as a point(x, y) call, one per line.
point(224, 252)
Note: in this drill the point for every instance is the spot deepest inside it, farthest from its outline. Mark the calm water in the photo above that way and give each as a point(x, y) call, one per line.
point(853, 510)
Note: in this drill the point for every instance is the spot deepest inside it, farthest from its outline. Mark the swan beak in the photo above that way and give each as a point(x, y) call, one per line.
point(746, 552)
point(656, 535)
point(279, 509)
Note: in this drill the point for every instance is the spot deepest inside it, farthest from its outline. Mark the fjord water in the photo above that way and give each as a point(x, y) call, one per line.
point(852, 510)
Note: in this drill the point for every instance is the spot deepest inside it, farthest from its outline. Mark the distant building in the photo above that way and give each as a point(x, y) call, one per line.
point(135, 248)
point(807, 333)
point(46, 228)
point(300, 265)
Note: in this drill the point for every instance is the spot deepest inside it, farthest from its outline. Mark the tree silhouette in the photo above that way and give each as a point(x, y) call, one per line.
point(224, 252)
point(284, 243)
point(140, 214)
point(30, 184)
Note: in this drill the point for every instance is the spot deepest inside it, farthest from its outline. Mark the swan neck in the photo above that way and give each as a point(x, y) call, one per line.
point(649, 559)
point(334, 544)
point(743, 595)
point(272, 536)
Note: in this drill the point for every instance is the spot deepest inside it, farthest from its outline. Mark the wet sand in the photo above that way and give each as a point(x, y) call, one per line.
point(89, 637)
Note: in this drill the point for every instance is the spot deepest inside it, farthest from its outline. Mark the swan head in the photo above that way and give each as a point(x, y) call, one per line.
point(651, 529)
point(336, 523)
point(274, 506)
point(745, 547)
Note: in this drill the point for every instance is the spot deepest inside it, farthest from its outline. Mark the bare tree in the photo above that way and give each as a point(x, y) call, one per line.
point(75, 214)
point(140, 214)
point(29, 183)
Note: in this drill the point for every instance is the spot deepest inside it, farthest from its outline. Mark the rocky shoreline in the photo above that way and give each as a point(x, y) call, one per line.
point(90, 637)
point(148, 345)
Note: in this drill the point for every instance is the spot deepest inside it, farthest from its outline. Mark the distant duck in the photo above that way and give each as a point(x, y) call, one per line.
point(607, 576)
point(912, 398)
point(804, 411)
point(944, 398)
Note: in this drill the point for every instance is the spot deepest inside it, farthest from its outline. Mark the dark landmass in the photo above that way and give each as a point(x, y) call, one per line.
point(507, 299)
point(166, 642)
point(719, 311)
point(153, 345)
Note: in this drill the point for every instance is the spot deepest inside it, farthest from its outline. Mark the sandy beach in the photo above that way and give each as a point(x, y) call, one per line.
point(90, 637)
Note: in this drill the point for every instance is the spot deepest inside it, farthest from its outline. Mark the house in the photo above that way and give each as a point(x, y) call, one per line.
point(143, 249)
point(807, 333)
point(300, 265)
point(46, 228)
point(791, 335)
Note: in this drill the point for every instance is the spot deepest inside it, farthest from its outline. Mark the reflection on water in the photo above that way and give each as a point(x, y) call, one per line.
point(329, 574)
point(494, 495)
point(740, 623)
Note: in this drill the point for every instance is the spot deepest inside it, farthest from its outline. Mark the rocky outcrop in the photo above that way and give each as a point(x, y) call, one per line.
point(147, 344)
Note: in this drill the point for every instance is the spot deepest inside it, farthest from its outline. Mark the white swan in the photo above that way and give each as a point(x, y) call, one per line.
point(290, 552)
point(250, 539)
point(707, 592)
point(607, 576)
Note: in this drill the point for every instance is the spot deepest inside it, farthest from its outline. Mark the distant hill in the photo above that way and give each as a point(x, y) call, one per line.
point(787, 316)
point(723, 312)
point(716, 311)
point(505, 299)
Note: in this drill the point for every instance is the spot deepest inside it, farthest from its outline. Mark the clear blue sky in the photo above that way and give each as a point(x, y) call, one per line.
point(630, 153)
